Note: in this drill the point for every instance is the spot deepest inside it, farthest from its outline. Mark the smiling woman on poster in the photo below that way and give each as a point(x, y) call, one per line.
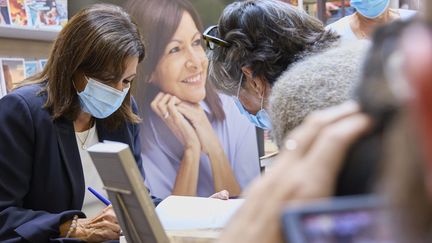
point(194, 141)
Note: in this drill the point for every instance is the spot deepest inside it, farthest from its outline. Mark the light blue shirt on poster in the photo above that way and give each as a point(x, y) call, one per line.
point(162, 151)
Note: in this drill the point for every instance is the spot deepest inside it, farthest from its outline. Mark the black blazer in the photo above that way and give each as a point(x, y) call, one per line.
point(41, 177)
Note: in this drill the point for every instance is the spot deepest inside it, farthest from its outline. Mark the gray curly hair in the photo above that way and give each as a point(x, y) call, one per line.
point(265, 35)
point(317, 82)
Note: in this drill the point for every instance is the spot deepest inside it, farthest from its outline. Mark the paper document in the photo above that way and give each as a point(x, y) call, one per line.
point(183, 213)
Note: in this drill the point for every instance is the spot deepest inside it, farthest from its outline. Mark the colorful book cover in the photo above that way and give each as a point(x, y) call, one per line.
point(4, 13)
point(18, 13)
point(48, 13)
point(62, 10)
point(31, 68)
point(13, 72)
point(42, 63)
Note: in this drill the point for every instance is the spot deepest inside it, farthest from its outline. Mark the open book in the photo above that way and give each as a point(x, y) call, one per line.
point(185, 213)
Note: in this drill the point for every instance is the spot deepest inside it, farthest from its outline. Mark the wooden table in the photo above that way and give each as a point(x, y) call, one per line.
point(194, 236)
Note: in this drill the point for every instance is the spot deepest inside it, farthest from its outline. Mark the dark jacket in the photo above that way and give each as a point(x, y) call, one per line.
point(41, 177)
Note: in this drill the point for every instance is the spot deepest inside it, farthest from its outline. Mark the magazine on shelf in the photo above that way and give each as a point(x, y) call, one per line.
point(4, 13)
point(13, 72)
point(62, 11)
point(51, 14)
point(18, 13)
point(31, 68)
point(42, 63)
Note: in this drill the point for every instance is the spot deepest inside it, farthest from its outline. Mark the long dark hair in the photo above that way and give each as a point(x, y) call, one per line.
point(159, 20)
point(96, 41)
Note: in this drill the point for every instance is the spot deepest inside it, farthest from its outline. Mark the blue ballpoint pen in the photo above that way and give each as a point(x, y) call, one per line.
point(99, 196)
point(103, 199)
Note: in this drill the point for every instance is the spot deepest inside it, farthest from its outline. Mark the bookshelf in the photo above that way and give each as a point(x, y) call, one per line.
point(27, 32)
point(18, 32)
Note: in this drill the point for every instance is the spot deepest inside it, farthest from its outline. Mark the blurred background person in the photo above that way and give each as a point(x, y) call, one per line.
point(194, 140)
point(369, 15)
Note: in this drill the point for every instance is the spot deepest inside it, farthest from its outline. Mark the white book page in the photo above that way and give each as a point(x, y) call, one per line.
point(183, 213)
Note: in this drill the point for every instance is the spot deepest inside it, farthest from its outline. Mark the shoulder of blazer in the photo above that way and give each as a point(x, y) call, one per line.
point(32, 94)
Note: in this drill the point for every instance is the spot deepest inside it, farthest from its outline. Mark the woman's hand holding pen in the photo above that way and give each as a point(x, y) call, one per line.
point(100, 228)
point(165, 106)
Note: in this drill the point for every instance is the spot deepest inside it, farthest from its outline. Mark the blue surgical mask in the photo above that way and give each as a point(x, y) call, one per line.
point(261, 119)
point(101, 100)
point(370, 8)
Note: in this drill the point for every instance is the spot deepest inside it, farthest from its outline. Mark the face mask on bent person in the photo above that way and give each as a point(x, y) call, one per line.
point(261, 119)
point(101, 100)
point(370, 8)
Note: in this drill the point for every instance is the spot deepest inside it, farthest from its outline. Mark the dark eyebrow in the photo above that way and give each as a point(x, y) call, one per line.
point(193, 37)
point(197, 33)
point(174, 40)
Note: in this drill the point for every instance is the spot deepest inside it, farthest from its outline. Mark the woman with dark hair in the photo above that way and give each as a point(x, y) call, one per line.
point(253, 43)
point(81, 97)
point(194, 141)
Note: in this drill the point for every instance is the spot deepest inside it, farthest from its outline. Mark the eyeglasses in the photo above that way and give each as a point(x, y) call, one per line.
point(212, 41)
